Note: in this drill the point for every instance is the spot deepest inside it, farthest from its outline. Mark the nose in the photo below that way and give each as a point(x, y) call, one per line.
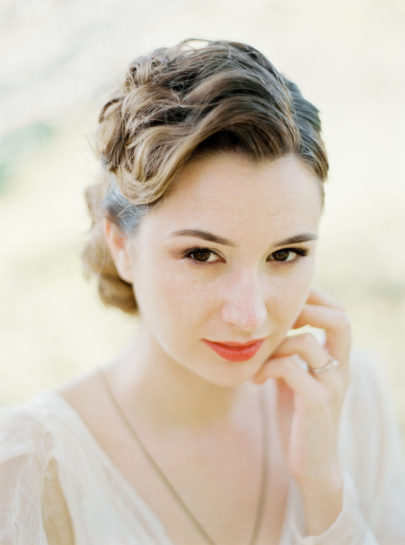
point(244, 302)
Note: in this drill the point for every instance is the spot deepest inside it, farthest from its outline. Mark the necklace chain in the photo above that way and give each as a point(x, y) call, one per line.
point(264, 469)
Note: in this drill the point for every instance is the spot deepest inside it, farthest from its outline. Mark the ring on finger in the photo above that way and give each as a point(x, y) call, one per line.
point(330, 364)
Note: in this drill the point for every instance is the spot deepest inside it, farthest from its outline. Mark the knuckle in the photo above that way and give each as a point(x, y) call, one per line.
point(308, 340)
point(293, 361)
point(344, 321)
point(296, 361)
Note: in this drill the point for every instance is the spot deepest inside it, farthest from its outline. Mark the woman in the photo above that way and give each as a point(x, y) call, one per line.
point(217, 425)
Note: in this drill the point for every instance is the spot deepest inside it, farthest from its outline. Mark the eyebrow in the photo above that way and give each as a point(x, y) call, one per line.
point(211, 237)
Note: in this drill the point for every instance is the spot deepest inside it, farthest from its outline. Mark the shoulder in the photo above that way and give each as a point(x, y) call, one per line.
point(44, 427)
point(22, 430)
point(25, 450)
point(31, 498)
point(35, 436)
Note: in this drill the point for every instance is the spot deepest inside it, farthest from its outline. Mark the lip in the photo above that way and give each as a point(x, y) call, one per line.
point(233, 351)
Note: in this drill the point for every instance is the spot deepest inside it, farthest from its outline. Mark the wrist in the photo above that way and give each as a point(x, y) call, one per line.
point(322, 502)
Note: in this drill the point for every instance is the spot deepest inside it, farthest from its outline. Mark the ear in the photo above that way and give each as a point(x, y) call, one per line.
point(117, 243)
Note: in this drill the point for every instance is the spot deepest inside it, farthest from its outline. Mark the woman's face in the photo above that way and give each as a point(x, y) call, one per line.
point(227, 257)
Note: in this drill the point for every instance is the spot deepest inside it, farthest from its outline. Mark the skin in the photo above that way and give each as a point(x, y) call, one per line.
point(253, 288)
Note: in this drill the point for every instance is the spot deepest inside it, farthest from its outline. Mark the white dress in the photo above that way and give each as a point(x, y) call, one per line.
point(59, 487)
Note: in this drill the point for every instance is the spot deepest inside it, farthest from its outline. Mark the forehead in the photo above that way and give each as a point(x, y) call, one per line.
point(229, 193)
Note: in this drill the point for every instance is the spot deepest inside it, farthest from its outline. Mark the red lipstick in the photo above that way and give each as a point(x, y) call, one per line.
point(232, 351)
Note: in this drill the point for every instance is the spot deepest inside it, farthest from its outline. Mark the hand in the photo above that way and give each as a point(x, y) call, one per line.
point(309, 405)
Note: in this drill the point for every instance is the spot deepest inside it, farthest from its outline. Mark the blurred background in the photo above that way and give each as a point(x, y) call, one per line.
point(59, 61)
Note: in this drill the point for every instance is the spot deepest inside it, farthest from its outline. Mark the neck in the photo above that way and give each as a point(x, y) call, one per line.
point(168, 395)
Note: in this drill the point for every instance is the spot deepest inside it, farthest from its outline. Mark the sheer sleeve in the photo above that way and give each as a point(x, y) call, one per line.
point(55, 512)
point(58, 487)
point(373, 467)
point(32, 509)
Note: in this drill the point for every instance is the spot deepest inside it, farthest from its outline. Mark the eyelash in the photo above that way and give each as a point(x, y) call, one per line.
point(300, 252)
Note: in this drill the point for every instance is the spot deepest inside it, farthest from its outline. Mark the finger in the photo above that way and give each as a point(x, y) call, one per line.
point(317, 297)
point(309, 350)
point(306, 346)
point(335, 379)
point(336, 325)
point(290, 370)
point(312, 355)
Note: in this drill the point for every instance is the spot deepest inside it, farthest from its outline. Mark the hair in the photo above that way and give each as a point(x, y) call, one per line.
point(174, 105)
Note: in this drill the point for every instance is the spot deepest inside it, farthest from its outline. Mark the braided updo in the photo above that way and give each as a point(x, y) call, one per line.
point(173, 105)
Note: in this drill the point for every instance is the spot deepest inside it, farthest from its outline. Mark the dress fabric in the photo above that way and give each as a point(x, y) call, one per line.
point(59, 487)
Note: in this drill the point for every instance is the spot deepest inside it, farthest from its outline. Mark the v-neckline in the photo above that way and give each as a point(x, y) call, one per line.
point(127, 486)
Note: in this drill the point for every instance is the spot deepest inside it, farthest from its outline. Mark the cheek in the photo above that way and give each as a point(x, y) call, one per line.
point(289, 293)
point(167, 297)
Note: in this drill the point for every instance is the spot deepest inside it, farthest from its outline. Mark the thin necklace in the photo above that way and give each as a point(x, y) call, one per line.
point(264, 470)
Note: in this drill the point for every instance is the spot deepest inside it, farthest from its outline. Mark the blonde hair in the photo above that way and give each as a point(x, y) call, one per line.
point(178, 103)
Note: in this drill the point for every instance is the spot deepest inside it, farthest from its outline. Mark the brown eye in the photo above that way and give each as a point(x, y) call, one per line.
point(202, 255)
point(282, 255)
point(287, 255)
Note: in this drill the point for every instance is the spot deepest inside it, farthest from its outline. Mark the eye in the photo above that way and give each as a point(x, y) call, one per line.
point(201, 255)
point(287, 255)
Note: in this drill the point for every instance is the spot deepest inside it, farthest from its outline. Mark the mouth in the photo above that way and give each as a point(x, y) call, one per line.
point(232, 351)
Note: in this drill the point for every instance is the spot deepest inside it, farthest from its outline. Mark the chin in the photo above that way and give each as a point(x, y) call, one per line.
point(231, 378)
